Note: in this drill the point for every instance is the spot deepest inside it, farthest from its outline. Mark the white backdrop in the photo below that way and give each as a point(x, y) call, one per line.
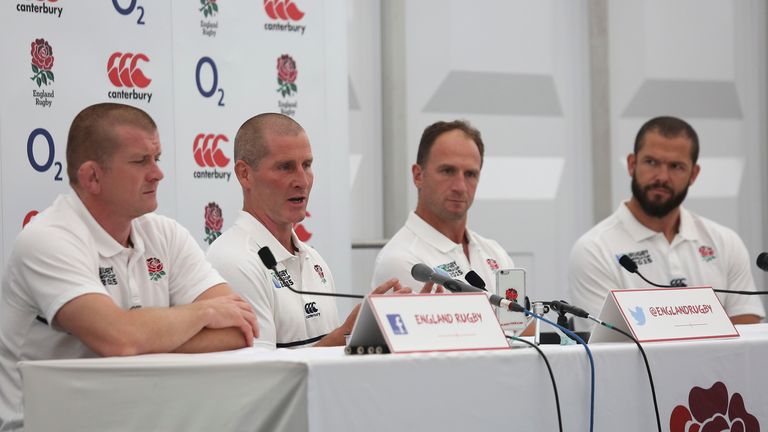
point(201, 68)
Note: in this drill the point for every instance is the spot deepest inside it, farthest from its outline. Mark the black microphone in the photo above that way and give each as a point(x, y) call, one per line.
point(762, 261)
point(475, 280)
point(631, 266)
point(270, 262)
point(424, 273)
point(565, 307)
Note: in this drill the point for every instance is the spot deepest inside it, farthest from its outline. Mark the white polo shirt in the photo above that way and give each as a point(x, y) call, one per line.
point(419, 242)
point(702, 253)
point(286, 319)
point(64, 253)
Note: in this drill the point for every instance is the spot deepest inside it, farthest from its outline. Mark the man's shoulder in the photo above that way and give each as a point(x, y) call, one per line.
point(601, 232)
point(719, 233)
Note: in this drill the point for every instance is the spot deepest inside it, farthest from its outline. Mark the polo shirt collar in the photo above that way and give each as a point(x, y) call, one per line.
point(106, 245)
point(265, 238)
point(640, 232)
point(429, 234)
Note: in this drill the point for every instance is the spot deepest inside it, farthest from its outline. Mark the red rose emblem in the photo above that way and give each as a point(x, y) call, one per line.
point(286, 69)
point(213, 219)
point(154, 265)
point(710, 410)
point(42, 54)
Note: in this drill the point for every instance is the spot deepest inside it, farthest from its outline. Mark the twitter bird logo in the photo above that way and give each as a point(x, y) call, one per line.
point(638, 315)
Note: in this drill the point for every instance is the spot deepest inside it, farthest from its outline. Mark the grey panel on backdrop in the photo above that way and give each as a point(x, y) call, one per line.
point(354, 104)
point(703, 99)
point(496, 93)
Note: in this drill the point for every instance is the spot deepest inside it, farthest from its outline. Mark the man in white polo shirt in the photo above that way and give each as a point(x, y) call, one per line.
point(446, 174)
point(274, 167)
point(98, 274)
point(671, 245)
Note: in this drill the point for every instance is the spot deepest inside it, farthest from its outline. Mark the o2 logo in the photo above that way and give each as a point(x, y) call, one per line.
point(214, 88)
point(129, 10)
point(46, 163)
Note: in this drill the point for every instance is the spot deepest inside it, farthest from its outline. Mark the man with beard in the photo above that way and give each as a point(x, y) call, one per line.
point(670, 244)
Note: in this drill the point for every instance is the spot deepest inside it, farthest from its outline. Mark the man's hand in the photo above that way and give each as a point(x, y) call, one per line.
point(392, 284)
point(427, 288)
point(231, 311)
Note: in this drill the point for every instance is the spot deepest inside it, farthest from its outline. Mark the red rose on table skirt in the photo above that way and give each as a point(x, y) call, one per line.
point(711, 410)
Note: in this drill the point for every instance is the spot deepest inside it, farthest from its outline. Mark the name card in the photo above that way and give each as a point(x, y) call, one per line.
point(665, 314)
point(436, 322)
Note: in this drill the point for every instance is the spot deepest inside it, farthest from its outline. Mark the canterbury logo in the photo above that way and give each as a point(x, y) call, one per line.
point(283, 9)
point(310, 308)
point(123, 70)
point(207, 152)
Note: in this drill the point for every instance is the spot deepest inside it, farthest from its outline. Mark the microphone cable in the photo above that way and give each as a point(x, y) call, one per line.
point(589, 356)
point(551, 375)
point(645, 359)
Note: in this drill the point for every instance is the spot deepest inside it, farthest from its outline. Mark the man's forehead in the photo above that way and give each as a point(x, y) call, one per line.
point(656, 143)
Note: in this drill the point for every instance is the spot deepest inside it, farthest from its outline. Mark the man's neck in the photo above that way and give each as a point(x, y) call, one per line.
point(283, 233)
point(669, 225)
point(119, 228)
point(455, 230)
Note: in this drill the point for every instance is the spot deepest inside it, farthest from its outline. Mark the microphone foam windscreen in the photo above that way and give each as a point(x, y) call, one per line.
point(267, 258)
point(628, 263)
point(474, 279)
point(421, 272)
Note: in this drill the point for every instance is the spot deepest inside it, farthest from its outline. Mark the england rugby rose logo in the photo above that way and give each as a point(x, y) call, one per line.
point(209, 7)
point(286, 75)
point(155, 269)
point(42, 62)
point(711, 410)
point(213, 222)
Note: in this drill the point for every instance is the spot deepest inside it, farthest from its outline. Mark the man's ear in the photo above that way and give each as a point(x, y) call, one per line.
point(89, 177)
point(417, 172)
point(631, 164)
point(694, 174)
point(242, 171)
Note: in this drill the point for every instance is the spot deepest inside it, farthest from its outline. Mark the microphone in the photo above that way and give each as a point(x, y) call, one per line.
point(565, 307)
point(631, 266)
point(475, 280)
point(269, 261)
point(424, 273)
point(762, 261)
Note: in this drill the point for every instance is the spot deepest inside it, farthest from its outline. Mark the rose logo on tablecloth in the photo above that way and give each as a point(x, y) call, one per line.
point(286, 75)
point(711, 410)
point(213, 222)
point(42, 62)
point(155, 269)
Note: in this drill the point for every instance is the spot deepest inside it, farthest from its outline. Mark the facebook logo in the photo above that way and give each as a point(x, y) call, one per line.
point(397, 324)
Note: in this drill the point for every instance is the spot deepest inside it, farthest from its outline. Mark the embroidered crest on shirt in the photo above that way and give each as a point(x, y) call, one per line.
point(451, 268)
point(107, 276)
point(707, 253)
point(639, 257)
point(285, 276)
point(155, 269)
point(492, 263)
point(320, 273)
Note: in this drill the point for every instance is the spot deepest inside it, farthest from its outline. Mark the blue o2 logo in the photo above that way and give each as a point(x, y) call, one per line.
point(129, 9)
point(48, 153)
point(208, 63)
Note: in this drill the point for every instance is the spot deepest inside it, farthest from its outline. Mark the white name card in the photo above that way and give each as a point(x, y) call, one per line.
point(665, 314)
point(435, 322)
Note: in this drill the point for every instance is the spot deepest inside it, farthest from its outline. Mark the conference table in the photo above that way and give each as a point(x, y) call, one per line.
point(322, 389)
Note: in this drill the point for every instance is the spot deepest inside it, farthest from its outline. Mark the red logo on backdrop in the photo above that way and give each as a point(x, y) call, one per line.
point(124, 71)
point(286, 75)
point(28, 217)
point(42, 62)
point(207, 152)
point(213, 222)
point(711, 410)
point(283, 9)
point(302, 232)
